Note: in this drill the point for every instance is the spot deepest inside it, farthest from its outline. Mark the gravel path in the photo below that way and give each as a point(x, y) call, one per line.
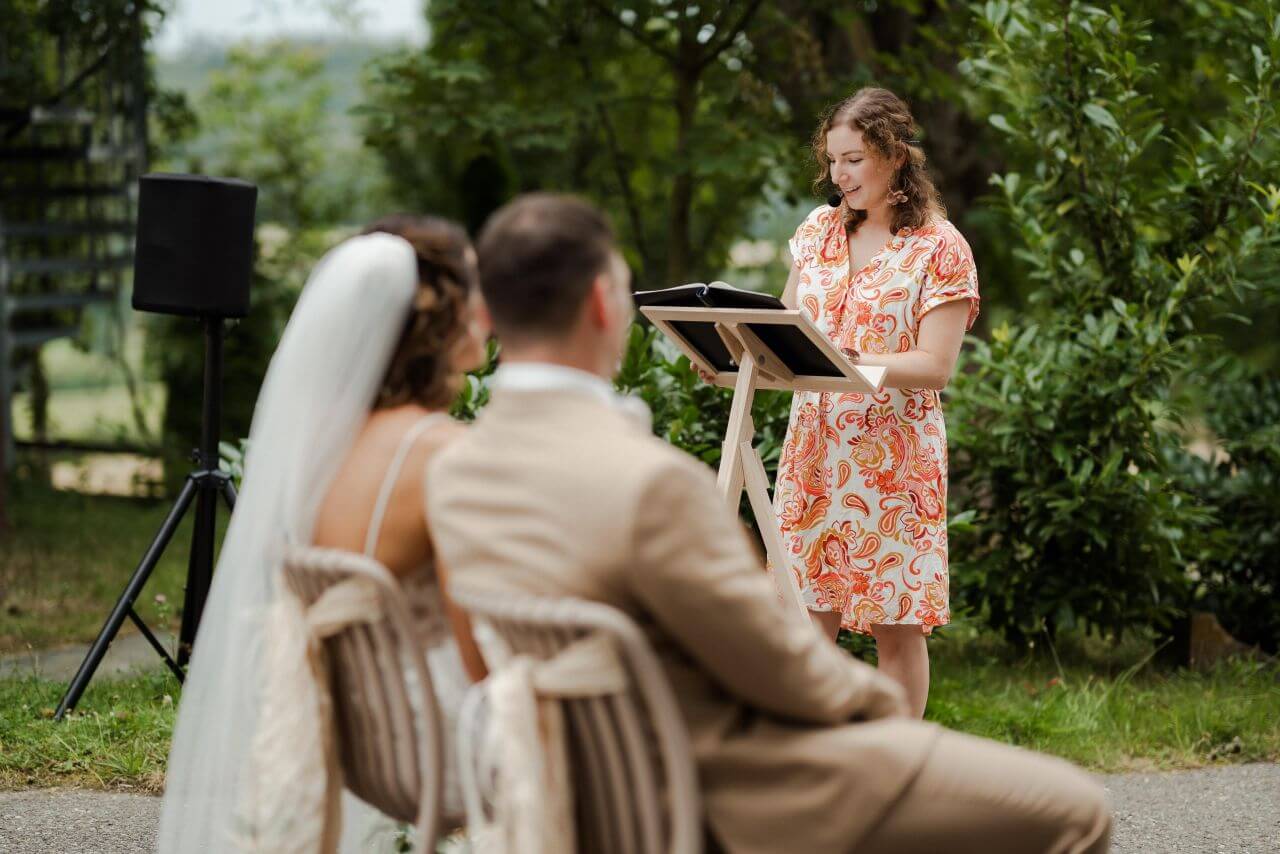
point(48, 820)
point(128, 654)
point(1234, 809)
point(1229, 810)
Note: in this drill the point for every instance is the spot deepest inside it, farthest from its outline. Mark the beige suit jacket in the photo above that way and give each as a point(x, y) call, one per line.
point(558, 493)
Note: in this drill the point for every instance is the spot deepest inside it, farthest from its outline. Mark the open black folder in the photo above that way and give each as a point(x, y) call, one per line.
point(714, 295)
point(703, 336)
point(788, 342)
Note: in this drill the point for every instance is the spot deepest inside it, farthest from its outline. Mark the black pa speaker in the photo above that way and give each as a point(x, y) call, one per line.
point(194, 250)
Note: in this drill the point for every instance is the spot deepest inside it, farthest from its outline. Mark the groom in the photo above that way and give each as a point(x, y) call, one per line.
point(558, 491)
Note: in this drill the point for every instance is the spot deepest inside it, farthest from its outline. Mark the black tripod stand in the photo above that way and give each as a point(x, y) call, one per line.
point(203, 486)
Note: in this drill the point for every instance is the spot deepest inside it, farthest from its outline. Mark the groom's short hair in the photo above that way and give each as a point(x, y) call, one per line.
point(538, 256)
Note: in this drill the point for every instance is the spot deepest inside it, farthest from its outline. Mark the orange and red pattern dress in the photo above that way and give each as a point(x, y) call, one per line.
point(861, 495)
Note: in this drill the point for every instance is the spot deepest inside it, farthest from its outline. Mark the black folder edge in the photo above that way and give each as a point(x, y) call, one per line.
point(796, 350)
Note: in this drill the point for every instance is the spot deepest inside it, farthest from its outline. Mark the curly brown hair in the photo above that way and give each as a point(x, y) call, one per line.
point(421, 369)
point(887, 125)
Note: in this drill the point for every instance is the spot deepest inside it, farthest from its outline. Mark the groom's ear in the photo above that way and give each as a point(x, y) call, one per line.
point(598, 307)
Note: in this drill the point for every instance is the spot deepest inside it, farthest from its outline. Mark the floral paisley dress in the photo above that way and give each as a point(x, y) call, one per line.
point(861, 495)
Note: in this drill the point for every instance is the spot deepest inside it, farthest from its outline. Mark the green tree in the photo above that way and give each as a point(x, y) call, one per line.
point(670, 114)
point(683, 118)
point(266, 116)
point(1137, 222)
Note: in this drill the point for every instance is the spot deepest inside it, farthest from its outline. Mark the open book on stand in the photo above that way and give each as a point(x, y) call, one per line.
point(714, 295)
point(749, 341)
point(702, 335)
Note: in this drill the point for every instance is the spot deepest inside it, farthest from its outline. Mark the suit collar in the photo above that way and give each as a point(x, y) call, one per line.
point(525, 381)
point(545, 376)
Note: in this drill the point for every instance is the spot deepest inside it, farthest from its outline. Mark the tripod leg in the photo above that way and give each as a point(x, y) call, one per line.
point(229, 493)
point(157, 646)
point(125, 603)
point(199, 569)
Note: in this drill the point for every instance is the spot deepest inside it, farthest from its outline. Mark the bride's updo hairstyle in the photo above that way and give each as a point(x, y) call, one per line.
point(421, 369)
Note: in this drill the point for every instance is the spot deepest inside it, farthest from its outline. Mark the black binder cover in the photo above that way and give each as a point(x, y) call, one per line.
point(791, 345)
point(702, 335)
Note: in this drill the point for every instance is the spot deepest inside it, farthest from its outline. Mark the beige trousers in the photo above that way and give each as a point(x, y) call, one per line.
point(975, 796)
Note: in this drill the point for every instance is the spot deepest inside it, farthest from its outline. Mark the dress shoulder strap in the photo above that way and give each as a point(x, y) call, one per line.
point(392, 475)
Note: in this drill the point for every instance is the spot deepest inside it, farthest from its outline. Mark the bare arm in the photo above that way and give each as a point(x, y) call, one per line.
point(930, 364)
point(790, 288)
point(459, 622)
point(472, 660)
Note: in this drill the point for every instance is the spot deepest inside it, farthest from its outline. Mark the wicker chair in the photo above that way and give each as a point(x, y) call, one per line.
point(629, 752)
point(388, 724)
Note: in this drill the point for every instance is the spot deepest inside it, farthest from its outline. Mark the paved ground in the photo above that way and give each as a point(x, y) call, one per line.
point(58, 820)
point(126, 654)
point(1231, 810)
point(1234, 809)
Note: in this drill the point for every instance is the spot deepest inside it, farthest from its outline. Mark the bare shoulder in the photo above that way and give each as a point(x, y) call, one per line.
point(446, 442)
point(441, 434)
point(434, 440)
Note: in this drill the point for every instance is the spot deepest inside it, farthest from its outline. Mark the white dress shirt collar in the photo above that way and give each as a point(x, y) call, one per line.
point(545, 376)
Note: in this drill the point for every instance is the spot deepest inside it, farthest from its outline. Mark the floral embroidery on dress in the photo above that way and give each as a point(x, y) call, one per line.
point(861, 493)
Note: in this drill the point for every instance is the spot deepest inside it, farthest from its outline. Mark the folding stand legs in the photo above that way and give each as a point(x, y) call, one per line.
point(741, 466)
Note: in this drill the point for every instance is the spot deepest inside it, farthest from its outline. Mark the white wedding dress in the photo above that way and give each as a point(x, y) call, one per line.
point(314, 401)
point(449, 680)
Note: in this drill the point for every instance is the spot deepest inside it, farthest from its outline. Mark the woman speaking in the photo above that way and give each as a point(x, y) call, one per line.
point(861, 495)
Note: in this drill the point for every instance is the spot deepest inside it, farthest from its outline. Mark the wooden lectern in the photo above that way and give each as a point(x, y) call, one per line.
point(750, 341)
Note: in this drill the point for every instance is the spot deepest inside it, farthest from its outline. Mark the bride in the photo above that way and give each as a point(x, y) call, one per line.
point(357, 395)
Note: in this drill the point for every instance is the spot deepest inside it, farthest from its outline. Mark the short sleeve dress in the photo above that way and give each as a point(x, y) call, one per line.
point(861, 493)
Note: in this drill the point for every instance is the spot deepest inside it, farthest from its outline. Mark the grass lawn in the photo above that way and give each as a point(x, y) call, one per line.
point(119, 736)
point(99, 414)
point(1107, 707)
point(1109, 713)
point(88, 399)
point(67, 558)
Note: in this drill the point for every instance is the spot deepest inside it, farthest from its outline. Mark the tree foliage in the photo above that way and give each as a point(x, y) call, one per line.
point(669, 114)
point(1137, 222)
point(1235, 566)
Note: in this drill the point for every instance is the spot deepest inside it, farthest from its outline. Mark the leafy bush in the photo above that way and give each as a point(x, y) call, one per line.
point(1237, 563)
point(1136, 219)
point(687, 412)
point(1057, 453)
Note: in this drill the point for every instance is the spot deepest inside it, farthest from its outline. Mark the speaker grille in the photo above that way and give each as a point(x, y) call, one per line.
point(194, 250)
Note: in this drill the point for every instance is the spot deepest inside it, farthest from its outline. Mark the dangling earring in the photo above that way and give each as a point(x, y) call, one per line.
point(897, 197)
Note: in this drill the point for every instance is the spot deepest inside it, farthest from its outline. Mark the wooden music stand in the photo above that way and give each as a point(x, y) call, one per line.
point(755, 348)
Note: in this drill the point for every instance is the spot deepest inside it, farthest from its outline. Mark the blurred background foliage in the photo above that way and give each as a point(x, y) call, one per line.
point(1113, 423)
